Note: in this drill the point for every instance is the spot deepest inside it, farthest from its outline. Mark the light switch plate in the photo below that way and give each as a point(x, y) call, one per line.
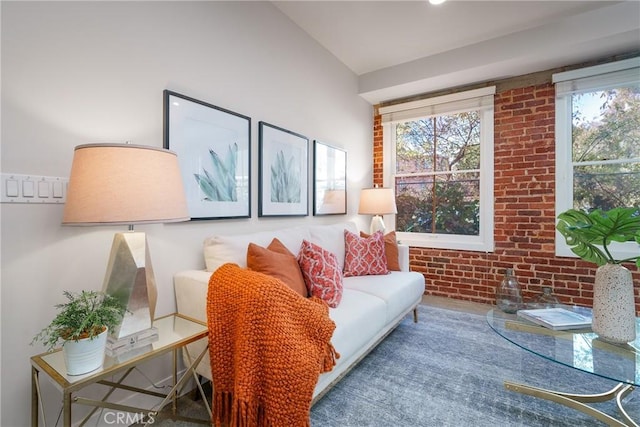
point(18, 188)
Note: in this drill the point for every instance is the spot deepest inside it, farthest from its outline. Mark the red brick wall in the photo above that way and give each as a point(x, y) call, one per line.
point(377, 150)
point(524, 183)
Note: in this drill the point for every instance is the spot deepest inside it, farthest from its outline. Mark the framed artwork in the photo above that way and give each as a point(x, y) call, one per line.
point(329, 180)
point(214, 152)
point(283, 172)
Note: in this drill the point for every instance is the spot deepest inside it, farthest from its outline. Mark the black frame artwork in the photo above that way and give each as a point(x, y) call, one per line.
point(283, 172)
point(213, 145)
point(329, 179)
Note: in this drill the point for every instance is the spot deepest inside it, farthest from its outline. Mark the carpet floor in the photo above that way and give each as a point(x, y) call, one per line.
point(448, 370)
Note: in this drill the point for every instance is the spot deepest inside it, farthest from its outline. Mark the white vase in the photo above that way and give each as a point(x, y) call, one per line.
point(84, 355)
point(614, 309)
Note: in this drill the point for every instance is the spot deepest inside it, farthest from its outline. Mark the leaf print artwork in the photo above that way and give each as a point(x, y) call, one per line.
point(285, 180)
point(219, 185)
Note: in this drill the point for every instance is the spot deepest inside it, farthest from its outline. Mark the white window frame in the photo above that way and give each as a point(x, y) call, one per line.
point(589, 79)
point(481, 100)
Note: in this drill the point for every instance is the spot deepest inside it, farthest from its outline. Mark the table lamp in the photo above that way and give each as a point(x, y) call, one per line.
point(125, 184)
point(377, 201)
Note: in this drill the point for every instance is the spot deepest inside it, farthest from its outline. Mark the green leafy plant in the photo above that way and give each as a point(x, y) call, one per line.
point(589, 235)
point(84, 315)
point(285, 180)
point(220, 184)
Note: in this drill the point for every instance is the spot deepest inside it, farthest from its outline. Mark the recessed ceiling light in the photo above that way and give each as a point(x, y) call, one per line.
point(437, 1)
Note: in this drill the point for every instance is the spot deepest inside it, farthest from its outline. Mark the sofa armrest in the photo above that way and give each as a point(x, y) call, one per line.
point(403, 257)
point(191, 287)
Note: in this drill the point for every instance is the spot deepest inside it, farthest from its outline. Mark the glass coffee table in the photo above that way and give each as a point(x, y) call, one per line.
point(579, 349)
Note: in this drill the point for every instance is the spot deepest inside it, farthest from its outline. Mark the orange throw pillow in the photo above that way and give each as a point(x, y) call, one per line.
point(390, 249)
point(277, 261)
point(279, 247)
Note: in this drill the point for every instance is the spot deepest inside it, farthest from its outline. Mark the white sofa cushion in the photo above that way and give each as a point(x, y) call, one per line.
point(397, 298)
point(357, 312)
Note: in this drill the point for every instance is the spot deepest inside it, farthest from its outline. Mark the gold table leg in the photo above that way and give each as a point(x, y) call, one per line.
point(35, 398)
point(177, 386)
point(66, 409)
point(578, 401)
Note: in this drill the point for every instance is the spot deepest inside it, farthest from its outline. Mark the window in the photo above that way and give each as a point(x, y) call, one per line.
point(598, 140)
point(441, 167)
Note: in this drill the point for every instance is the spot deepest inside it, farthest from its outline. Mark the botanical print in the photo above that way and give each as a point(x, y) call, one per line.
point(285, 179)
point(214, 151)
point(220, 185)
point(284, 172)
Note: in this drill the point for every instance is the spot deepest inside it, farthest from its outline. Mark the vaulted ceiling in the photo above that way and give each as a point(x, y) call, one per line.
point(400, 48)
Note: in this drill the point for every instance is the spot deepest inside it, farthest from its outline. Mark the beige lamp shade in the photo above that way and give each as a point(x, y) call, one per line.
point(120, 184)
point(377, 201)
point(124, 184)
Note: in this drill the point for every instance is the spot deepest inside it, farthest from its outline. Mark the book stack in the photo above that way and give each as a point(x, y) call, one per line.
point(558, 318)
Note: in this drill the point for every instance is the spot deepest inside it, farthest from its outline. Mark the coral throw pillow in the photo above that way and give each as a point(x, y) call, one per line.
point(364, 256)
point(277, 261)
point(390, 250)
point(321, 273)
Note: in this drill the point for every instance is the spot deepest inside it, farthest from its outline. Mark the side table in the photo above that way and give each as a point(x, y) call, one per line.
point(174, 331)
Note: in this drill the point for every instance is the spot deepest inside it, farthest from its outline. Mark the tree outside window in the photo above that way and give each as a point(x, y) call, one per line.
point(598, 142)
point(441, 167)
point(437, 178)
point(606, 148)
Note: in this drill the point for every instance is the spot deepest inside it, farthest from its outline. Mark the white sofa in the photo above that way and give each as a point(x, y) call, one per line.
point(371, 306)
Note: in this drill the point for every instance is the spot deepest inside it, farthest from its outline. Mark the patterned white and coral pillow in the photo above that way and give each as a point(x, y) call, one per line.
point(364, 256)
point(321, 273)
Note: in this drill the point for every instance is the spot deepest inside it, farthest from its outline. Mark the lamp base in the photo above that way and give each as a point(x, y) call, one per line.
point(377, 224)
point(117, 347)
point(130, 279)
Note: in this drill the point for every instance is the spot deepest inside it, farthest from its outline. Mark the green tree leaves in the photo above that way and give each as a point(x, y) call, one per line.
point(606, 149)
point(438, 186)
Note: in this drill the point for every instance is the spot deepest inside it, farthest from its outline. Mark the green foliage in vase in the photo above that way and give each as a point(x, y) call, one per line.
point(285, 180)
point(84, 315)
point(589, 234)
point(220, 184)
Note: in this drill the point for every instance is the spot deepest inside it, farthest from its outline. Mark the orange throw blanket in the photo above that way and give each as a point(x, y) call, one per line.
point(267, 346)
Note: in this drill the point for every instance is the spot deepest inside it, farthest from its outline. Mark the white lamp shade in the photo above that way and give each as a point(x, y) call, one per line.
point(377, 201)
point(124, 184)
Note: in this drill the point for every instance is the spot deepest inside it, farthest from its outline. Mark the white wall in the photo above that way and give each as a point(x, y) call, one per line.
point(83, 72)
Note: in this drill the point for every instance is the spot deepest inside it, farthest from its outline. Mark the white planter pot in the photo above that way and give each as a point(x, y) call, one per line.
point(84, 355)
point(614, 310)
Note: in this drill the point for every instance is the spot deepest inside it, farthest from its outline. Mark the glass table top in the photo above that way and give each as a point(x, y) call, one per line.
point(579, 349)
point(173, 331)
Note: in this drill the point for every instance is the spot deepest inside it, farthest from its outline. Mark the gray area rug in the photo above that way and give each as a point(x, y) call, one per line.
point(448, 370)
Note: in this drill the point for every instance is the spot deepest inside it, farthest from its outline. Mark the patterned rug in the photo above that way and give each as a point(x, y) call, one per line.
point(448, 370)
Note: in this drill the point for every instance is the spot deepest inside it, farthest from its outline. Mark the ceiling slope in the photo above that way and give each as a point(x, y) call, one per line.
point(402, 48)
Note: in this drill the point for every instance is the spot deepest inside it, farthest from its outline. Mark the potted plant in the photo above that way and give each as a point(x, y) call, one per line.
point(82, 324)
point(589, 236)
